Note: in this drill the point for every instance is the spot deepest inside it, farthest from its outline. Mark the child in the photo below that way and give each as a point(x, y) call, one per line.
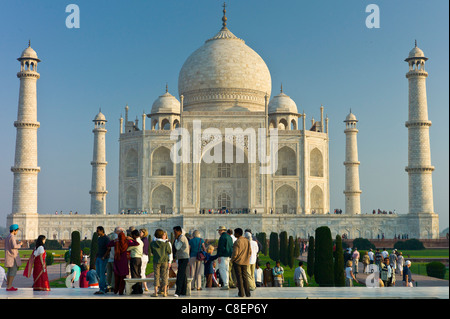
point(74, 272)
point(92, 278)
point(160, 250)
point(209, 269)
point(83, 281)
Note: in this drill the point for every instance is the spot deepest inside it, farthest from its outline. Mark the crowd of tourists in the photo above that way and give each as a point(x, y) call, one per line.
point(234, 264)
point(386, 264)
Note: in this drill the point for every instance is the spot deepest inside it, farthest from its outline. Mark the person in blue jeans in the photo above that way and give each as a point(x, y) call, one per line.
point(101, 259)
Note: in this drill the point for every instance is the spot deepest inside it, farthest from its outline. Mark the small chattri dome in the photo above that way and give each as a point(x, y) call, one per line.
point(351, 118)
point(29, 53)
point(166, 103)
point(282, 103)
point(416, 53)
point(100, 117)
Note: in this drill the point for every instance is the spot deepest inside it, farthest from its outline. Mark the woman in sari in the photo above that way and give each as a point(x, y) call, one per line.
point(120, 265)
point(39, 267)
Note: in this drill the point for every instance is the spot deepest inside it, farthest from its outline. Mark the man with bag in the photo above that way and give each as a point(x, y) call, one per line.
point(224, 251)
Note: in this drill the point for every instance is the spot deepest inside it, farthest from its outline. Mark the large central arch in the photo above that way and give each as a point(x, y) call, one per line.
point(224, 185)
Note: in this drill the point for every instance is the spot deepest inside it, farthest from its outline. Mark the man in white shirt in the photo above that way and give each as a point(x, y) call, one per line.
point(258, 276)
point(253, 256)
point(371, 255)
point(356, 257)
point(300, 275)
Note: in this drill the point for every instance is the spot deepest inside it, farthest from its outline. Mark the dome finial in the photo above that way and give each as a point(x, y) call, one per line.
point(224, 18)
point(29, 43)
point(281, 89)
point(415, 43)
point(167, 87)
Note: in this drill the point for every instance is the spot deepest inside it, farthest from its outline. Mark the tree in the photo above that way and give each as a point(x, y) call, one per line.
point(323, 263)
point(75, 252)
point(339, 276)
point(284, 248)
point(311, 256)
point(274, 252)
point(291, 258)
point(296, 248)
point(94, 250)
point(263, 242)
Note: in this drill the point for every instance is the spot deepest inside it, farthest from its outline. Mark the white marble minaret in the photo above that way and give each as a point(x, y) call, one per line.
point(98, 189)
point(25, 167)
point(352, 191)
point(419, 159)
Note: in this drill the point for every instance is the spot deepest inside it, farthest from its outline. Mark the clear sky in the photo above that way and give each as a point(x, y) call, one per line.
point(322, 52)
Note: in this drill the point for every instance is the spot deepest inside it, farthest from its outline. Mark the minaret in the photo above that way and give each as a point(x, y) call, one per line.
point(419, 159)
point(352, 191)
point(25, 167)
point(98, 189)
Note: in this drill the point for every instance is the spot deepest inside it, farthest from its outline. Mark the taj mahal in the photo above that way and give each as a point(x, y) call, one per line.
point(227, 143)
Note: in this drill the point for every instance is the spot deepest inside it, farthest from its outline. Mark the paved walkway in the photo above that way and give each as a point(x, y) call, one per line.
point(259, 293)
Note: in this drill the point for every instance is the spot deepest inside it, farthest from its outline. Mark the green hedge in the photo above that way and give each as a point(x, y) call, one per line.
point(436, 269)
point(410, 244)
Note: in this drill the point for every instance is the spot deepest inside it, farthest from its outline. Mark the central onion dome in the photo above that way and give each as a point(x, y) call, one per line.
point(224, 74)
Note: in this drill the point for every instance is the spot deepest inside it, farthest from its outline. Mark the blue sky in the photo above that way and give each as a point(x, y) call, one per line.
point(322, 52)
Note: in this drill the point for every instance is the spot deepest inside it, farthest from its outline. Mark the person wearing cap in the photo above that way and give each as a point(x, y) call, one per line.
point(12, 258)
point(407, 278)
point(224, 251)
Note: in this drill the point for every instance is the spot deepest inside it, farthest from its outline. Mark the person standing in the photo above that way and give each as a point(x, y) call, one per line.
point(258, 275)
point(101, 259)
point(349, 276)
point(400, 263)
point(39, 267)
point(300, 275)
point(209, 267)
point(356, 257)
point(160, 251)
point(121, 269)
point(393, 259)
point(197, 245)
point(407, 275)
point(366, 262)
point(136, 260)
point(278, 275)
point(224, 252)
point(254, 254)
point(387, 273)
point(240, 258)
point(182, 255)
point(268, 275)
point(12, 258)
point(144, 237)
point(371, 256)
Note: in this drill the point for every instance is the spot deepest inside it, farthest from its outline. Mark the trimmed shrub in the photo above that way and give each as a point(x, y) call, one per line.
point(291, 257)
point(410, 244)
point(339, 275)
point(310, 259)
point(323, 263)
point(75, 253)
point(274, 251)
point(436, 269)
point(284, 252)
point(363, 243)
point(296, 248)
point(49, 259)
point(263, 241)
point(94, 250)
